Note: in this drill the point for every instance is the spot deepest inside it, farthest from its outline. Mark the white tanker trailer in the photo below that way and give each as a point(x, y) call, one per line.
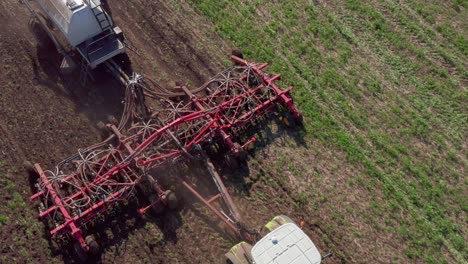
point(85, 25)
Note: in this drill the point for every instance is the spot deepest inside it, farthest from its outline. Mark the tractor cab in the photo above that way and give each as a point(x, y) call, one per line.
point(285, 243)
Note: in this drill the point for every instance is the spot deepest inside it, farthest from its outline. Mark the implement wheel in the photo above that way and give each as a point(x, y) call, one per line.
point(241, 153)
point(238, 53)
point(231, 162)
point(299, 120)
point(28, 166)
point(101, 126)
point(103, 129)
point(92, 244)
point(289, 120)
point(80, 252)
point(172, 201)
point(112, 120)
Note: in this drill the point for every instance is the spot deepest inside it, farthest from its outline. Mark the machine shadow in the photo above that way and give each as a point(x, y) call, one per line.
point(98, 98)
point(272, 131)
point(114, 232)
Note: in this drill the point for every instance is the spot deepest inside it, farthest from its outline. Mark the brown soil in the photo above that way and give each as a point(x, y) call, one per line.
point(46, 117)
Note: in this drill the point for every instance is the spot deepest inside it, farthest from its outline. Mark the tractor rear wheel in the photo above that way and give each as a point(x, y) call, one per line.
point(42, 37)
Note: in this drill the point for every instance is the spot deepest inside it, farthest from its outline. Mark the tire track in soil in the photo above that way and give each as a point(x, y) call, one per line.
point(170, 52)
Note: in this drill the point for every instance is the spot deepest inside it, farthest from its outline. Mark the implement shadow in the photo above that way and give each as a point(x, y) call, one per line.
point(233, 174)
point(96, 99)
point(112, 231)
point(273, 130)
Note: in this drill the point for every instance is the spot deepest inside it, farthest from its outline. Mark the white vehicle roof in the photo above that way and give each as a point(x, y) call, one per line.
point(73, 18)
point(287, 244)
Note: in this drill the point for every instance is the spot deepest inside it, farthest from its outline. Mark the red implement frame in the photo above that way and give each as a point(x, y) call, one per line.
point(95, 179)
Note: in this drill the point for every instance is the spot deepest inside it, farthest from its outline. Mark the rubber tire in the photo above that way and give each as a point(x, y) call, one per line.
point(101, 126)
point(172, 201)
point(80, 252)
point(112, 120)
point(231, 162)
point(238, 53)
point(28, 166)
point(299, 120)
point(241, 154)
point(43, 40)
point(92, 244)
point(289, 120)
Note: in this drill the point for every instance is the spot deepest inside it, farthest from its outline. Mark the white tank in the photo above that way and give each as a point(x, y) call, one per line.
point(76, 19)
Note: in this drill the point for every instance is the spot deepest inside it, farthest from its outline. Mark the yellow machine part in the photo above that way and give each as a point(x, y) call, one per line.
point(240, 253)
point(278, 221)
